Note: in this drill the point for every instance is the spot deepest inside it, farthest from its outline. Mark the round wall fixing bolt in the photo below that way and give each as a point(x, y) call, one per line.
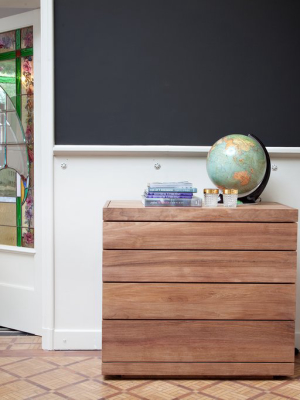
point(63, 165)
point(274, 167)
point(157, 166)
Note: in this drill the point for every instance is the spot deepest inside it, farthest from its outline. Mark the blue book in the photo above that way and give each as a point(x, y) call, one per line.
point(172, 190)
point(168, 195)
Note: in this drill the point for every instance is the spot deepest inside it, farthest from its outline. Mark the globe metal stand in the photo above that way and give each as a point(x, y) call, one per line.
point(254, 196)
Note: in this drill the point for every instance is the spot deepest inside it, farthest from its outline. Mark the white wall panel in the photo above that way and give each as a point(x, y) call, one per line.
point(80, 192)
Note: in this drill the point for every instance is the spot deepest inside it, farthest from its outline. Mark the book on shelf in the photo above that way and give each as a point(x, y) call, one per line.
point(183, 184)
point(171, 194)
point(171, 202)
point(172, 189)
point(175, 195)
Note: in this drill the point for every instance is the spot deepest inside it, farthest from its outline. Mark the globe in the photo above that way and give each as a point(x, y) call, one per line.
point(237, 162)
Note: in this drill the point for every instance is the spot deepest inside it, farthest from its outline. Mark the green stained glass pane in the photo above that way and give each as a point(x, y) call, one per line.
point(18, 85)
point(8, 184)
point(27, 237)
point(8, 235)
point(27, 37)
point(27, 75)
point(8, 70)
point(7, 213)
point(7, 41)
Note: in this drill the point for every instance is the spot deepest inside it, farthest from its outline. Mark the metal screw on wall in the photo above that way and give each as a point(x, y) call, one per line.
point(63, 165)
point(274, 167)
point(157, 166)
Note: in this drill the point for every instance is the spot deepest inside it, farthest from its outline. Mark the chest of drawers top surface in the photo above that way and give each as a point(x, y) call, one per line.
point(134, 210)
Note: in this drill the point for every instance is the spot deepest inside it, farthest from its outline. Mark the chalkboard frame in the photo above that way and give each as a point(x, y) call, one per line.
point(133, 146)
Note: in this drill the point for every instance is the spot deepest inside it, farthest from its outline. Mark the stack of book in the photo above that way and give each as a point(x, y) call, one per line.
point(171, 194)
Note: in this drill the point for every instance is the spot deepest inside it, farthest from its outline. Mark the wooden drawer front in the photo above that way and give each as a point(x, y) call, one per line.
point(199, 236)
point(199, 266)
point(198, 341)
point(202, 369)
point(198, 301)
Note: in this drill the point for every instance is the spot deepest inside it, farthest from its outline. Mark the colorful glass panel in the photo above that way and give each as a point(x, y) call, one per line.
point(8, 78)
point(17, 134)
point(14, 130)
point(28, 210)
point(17, 159)
point(27, 109)
point(7, 41)
point(8, 185)
point(8, 235)
point(27, 75)
point(2, 155)
point(27, 37)
point(28, 237)
point(8, 214)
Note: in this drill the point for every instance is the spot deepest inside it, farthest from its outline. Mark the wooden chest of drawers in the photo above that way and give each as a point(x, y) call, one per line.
point(199, 291)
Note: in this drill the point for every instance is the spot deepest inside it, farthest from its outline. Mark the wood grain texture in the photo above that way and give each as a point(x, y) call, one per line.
point(198, 301)
point(198, 341)
point(199, 236)
point(133, 210)
point(198, 369)
point(199, 266)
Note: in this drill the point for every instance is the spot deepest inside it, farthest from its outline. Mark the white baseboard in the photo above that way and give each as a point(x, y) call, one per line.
point(77, 339)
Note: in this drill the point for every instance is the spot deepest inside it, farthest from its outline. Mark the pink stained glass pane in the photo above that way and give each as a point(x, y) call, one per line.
point(7, 41)
point(28, 210)
point(31, 169)
point(27, 37)
point(28, 117)
point(27, 75)
point(27, 237)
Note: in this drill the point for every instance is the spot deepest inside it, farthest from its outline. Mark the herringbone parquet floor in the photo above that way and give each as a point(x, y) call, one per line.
point(27, 372)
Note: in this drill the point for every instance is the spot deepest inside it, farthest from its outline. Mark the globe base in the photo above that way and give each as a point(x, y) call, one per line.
point(255, 195)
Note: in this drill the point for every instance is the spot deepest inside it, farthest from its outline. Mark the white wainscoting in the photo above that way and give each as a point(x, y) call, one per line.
point(80, 192)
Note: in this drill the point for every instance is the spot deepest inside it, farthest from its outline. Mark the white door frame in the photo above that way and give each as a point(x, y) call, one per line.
point(47, 143)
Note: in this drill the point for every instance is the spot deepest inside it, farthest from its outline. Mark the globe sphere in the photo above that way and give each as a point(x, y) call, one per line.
point(237, 162)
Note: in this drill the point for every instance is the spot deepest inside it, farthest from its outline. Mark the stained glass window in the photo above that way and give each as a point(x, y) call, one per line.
point(17, 138)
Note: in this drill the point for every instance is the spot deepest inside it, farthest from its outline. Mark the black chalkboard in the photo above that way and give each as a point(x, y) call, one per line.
point(176, 72)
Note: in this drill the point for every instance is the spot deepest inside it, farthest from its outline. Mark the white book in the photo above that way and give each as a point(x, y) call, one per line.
point(171, 184)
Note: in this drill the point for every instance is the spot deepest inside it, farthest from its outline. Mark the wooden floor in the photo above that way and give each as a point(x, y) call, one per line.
point(27, 372)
